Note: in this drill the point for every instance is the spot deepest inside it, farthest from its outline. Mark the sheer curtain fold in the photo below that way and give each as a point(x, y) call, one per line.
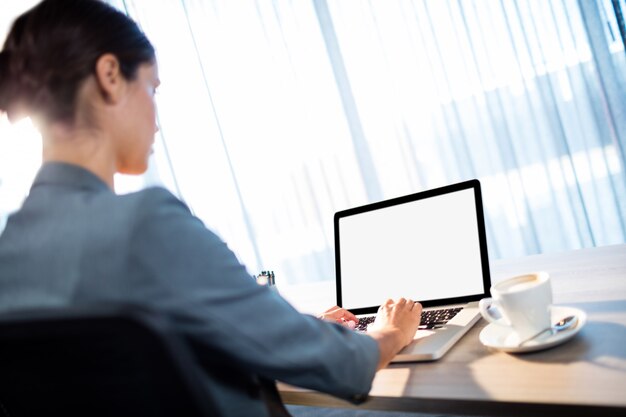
point(276, 114)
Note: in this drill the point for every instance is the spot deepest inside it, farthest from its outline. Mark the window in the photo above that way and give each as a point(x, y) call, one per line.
point(276, 114)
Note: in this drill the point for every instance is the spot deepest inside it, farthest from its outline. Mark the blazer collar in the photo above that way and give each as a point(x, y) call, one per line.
point(61, 173)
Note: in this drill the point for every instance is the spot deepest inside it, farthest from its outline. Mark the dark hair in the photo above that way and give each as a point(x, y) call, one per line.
point(52, 48)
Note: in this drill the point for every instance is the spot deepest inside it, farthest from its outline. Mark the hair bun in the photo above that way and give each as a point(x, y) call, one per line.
point(15, 94)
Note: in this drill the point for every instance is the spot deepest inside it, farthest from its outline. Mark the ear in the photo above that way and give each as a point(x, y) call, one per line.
point(109, 77)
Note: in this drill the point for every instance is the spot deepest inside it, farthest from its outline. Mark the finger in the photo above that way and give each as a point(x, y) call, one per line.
point(349, 316)
point(330, 314)
point(326, 313)
point(344, 314)
point(401, 302)
point(347, 323)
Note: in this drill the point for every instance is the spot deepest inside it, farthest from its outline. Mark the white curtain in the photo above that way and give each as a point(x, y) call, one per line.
point(276, 114)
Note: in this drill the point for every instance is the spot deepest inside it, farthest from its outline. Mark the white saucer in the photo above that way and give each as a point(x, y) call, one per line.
point(503, 338)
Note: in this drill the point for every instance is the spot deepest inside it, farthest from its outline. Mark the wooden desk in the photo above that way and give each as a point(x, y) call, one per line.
point(585, 376)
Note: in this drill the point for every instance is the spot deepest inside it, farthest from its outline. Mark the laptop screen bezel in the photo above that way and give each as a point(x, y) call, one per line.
point(473, 184)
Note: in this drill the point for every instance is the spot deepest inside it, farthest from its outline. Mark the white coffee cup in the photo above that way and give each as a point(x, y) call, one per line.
point(523, 303)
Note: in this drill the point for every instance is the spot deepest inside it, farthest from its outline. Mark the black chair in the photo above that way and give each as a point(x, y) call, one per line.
point(97, 362)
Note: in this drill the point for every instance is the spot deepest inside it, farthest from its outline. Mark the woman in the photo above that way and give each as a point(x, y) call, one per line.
point(87, 76)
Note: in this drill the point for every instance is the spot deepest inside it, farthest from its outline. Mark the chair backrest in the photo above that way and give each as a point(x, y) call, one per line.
point(97, 362)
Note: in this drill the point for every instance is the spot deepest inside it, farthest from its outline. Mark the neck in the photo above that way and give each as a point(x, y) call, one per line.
point(87, 149)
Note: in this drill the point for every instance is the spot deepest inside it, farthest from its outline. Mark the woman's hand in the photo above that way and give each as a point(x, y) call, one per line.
point(403, 315)
point(340, 315)
point(394, 327)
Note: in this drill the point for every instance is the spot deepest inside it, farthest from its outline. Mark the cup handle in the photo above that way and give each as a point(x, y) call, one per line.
point(484, 306)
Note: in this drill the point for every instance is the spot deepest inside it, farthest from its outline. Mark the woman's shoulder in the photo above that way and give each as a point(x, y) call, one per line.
point(153, 200)
point(159, 216)
point(157, 205)
point(150, 195)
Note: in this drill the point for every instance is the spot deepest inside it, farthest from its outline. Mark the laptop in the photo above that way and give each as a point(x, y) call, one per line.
point(429, 247)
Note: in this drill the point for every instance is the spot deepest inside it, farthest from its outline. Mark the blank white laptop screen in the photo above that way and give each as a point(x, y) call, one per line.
point(426, 249)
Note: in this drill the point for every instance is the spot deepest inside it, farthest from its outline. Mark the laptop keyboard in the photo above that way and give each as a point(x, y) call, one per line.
point(431, 319)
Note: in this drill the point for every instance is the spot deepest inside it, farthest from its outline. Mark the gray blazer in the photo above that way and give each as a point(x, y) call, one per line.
point(74, 242)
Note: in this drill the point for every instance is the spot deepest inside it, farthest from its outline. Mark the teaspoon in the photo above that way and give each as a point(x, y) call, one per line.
point(564, 323)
